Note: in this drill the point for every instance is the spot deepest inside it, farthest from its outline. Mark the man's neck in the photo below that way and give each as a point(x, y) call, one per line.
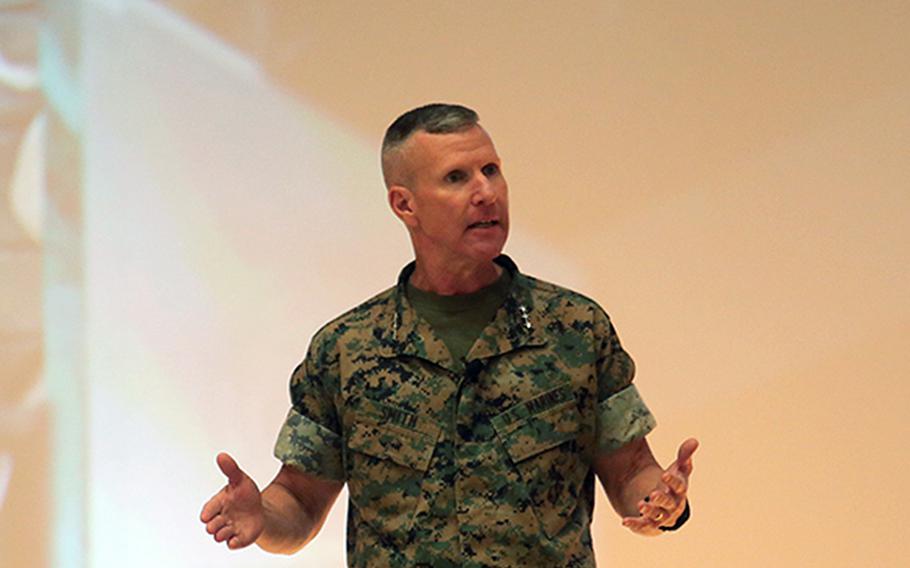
point(449, 280)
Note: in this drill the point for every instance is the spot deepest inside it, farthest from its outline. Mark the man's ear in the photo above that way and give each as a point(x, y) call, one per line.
point(401, 200)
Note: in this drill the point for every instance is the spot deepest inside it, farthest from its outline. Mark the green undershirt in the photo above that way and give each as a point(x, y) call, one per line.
point(458, 320)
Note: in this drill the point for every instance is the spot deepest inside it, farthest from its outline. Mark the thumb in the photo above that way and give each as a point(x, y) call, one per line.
point(684, 455)
point(230, 469)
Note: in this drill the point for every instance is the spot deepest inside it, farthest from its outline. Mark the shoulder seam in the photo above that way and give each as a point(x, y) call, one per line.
point(381, 297)
point(551, 288)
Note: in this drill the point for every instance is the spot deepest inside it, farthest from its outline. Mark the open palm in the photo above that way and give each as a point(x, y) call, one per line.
point(234, 515)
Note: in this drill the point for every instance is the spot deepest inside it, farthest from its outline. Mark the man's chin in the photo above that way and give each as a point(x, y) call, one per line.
point(486, 252)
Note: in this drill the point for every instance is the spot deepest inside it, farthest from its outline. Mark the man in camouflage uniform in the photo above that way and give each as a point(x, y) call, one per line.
point(469, 407)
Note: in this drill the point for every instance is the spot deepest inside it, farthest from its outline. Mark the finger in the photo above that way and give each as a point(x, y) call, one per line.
point(675, 482)
point(636, 522)
point(216, 524)
point(212, 507)
point(229, 468)
point(655, 514)
point(635, 526)
point(235, 543)
point(224, 533)
point(684, 455)
point(640, 525)
point(661, 499)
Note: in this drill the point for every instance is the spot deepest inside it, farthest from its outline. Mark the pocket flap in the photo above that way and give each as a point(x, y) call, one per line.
point(525, 433)
point(386, 431)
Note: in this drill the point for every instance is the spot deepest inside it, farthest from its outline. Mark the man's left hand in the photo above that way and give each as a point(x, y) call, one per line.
point(664, 505)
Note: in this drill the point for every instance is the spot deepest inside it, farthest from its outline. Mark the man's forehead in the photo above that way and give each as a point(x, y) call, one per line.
point(451, 145)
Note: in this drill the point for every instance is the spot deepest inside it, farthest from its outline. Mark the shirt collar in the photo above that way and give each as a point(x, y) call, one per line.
point(517, 323)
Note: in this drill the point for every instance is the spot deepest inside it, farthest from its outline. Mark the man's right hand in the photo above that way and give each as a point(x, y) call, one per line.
point(234, 515)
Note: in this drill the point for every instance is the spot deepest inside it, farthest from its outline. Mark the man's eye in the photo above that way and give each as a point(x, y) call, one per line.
point(490, 170)
point(455, 177)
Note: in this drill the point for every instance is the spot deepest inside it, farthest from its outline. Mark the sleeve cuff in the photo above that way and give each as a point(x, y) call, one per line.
point(311, 447)
point(622, 417)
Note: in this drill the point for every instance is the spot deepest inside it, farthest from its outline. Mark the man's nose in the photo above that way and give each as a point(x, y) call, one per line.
point(483, 192)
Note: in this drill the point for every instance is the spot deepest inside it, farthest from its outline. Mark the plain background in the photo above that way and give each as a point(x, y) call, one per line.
point(728, 179)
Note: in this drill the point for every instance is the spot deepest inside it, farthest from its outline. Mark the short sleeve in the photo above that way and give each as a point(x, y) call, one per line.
point(622, 415)
point(310, 438)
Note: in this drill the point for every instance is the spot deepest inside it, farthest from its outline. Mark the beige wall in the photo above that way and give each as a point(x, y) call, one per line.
point(729, 179)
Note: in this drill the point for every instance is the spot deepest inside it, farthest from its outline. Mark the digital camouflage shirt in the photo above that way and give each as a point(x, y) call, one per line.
point(482, 462)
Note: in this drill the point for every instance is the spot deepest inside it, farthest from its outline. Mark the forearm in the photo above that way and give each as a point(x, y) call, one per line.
point(287, 523)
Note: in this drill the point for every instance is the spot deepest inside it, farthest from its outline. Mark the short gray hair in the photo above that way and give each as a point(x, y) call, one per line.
point(434, 118)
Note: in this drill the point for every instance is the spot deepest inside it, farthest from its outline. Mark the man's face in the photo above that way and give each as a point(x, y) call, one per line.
point(459, 197)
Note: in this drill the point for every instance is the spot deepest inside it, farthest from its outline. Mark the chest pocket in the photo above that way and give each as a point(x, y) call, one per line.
point(540, 436)
point(388, 451)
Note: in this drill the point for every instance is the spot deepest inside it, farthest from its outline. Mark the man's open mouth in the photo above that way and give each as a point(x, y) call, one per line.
point(483, 224)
